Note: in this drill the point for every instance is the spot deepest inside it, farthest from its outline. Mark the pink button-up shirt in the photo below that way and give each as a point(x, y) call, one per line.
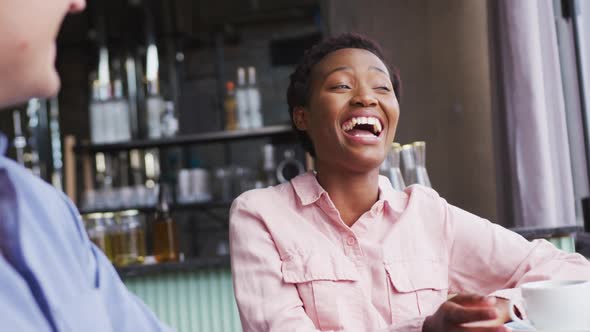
point(297, 267)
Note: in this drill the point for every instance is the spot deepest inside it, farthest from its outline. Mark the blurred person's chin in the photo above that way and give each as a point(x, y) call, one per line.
point(41, 85)
point(50, 86)
point(49, 83)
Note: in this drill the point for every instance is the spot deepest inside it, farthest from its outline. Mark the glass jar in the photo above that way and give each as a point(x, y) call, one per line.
point(98, 232)
point(129, 239)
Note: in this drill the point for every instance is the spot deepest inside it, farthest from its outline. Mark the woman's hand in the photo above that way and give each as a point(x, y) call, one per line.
point(469, 313)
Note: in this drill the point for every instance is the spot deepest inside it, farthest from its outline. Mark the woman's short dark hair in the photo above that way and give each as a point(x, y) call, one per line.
point(298, 92)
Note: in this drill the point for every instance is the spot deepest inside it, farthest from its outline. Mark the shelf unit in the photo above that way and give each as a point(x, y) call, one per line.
point(175, 207)
point(278, 131)
point(85, 150)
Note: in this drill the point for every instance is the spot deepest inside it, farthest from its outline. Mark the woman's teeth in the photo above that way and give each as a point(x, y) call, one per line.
point(363, 123)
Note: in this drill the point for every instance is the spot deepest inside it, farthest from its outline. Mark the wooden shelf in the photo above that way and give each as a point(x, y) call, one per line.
point(278, 131)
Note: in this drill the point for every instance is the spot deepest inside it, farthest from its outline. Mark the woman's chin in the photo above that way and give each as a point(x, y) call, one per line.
point(363, 164)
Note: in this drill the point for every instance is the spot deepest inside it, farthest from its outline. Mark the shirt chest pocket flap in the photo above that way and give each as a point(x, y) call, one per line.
point(326, 283)
point(419, 287)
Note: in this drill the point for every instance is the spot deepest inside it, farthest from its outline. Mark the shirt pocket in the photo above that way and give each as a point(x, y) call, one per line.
point(327, 286)
point(417, 288)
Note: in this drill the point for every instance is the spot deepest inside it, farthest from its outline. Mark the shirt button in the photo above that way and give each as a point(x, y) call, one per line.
point(351, 241)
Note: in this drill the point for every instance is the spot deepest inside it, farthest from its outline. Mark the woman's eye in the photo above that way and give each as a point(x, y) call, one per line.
point(340, 86)
point(384, 88)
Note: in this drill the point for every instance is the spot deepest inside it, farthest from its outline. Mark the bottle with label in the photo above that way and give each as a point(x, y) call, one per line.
point(254, 100)
point(164, 228)
point(230, 106)
point(242, 101)
point(420, 158)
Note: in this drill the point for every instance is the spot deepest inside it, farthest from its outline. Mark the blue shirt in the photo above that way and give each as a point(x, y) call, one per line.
point(52, 278)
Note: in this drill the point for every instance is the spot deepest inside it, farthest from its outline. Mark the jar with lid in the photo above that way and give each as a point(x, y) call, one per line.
point(129, 239)
point(98, 232)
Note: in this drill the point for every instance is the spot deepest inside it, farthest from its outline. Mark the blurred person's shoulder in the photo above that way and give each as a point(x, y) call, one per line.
point(25, 182)
point(32, 195)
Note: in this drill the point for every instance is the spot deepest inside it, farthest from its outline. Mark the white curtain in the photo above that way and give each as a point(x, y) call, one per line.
point(530, 79)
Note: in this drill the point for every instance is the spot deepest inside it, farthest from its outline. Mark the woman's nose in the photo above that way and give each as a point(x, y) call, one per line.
point(363, 99)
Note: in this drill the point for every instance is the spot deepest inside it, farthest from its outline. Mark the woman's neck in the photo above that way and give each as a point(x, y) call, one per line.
point(352, 193)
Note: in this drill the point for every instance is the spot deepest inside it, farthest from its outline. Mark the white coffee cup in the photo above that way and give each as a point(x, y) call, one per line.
point(555, 305)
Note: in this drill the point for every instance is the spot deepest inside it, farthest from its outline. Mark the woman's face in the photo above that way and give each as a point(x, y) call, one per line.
point(28, 29)
point(353, 111)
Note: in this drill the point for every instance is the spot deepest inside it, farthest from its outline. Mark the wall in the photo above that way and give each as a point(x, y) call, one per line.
point(441, 49)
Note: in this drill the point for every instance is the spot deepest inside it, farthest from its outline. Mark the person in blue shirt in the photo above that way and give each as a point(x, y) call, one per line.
point(52, 278)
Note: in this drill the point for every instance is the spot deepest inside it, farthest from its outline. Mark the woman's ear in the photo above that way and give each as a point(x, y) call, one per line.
point(300, 118)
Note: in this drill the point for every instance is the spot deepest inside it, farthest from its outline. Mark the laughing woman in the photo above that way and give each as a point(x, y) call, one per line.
point(339, 250)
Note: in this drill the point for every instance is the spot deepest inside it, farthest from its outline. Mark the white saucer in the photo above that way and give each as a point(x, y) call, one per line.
point(516, 327)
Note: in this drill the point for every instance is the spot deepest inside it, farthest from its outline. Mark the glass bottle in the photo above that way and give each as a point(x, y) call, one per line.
point(395, 173)
point(154, 109)
point(229, 105)
point(154, 99)
point(169, 123)
point(97, 117)
point(165, 231)
point(409, 164)
point(268, 165)
point(121, 110)
point(420, 159)
point(254, 100)
point(242, 100)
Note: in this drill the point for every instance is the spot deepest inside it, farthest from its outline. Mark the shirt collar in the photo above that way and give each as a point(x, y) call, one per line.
point(395, 199)
point(309, 190)
point(3, 144)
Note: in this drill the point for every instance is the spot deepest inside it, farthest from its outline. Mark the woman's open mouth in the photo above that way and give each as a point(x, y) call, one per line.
point(366, 127)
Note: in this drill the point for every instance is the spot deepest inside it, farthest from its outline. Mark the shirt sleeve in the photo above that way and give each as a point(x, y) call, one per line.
point(486, 258)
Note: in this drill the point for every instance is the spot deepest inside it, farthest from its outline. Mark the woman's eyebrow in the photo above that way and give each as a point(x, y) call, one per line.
point(337, 69)
point(378, 69)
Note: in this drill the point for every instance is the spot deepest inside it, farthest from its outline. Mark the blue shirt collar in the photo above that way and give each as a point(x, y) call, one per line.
point(3, 144)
